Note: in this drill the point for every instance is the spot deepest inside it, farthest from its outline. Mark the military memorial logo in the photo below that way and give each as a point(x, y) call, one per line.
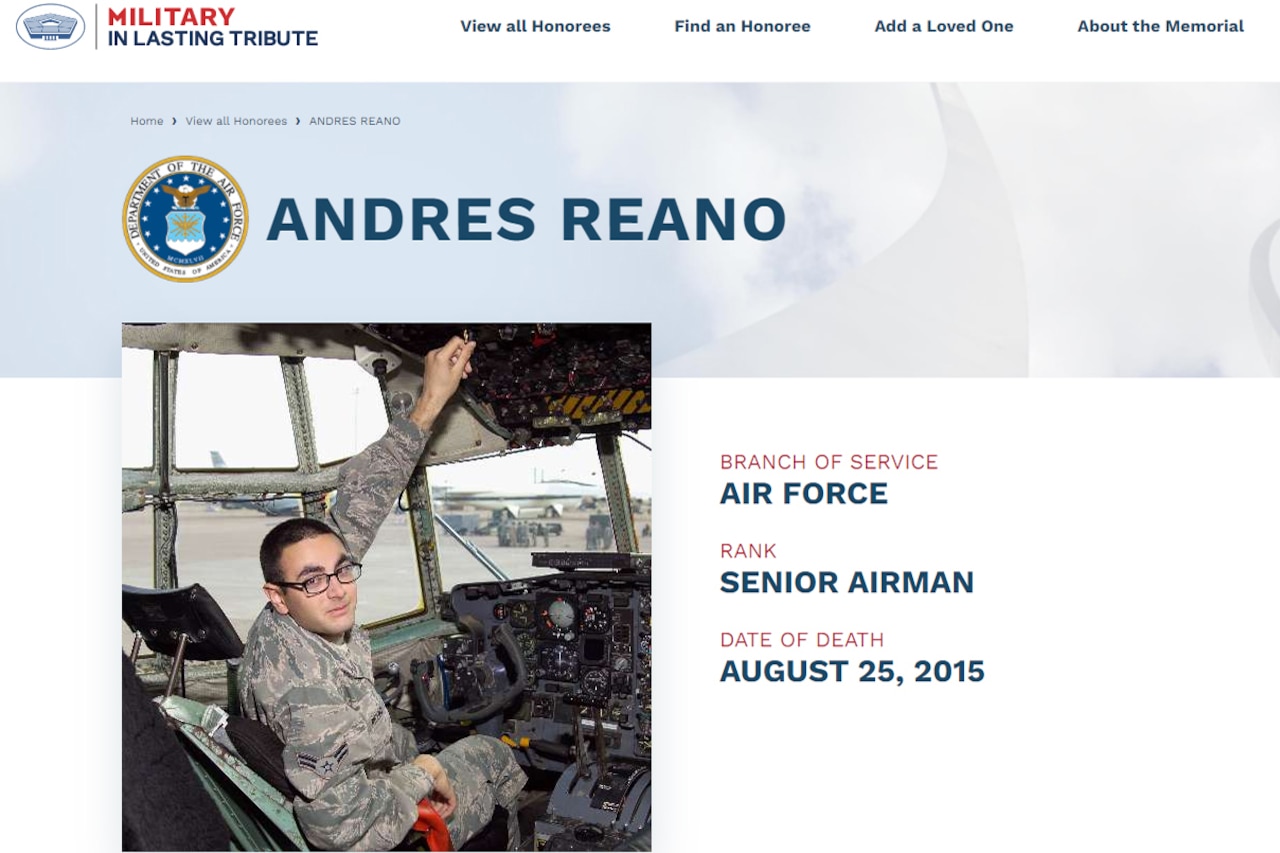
point(185, 218)
point(50, 26)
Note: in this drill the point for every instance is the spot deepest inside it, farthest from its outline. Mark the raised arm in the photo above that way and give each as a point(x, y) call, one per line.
point(370, 483)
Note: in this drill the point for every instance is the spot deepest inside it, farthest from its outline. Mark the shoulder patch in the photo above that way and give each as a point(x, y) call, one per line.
point(325, 766)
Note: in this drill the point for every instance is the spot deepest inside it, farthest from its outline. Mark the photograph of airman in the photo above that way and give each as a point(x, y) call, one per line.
point(506, 711)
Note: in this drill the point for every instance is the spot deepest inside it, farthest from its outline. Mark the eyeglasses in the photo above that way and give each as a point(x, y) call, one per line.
point(316, 584)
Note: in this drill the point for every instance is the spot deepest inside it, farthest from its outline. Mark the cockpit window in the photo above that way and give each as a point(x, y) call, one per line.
point(135, 408)
point(550, 499)
point(347, 414)
point(232, 409)
point(346, 407)
point(390, 585)
point(218, 549)
point(232, 412)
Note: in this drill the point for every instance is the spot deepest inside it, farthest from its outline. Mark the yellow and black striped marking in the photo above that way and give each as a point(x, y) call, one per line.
point(626, 401)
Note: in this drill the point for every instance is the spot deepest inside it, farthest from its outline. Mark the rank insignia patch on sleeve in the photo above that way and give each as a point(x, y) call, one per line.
point(325, 766)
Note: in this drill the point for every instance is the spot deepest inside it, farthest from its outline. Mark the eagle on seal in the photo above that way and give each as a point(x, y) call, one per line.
point(185, 196)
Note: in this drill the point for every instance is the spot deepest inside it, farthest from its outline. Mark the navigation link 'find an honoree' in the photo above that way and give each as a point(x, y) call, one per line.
point(185, 218)
point(50, 26)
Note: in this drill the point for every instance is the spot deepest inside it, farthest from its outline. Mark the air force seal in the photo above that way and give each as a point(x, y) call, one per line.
point(185, 218)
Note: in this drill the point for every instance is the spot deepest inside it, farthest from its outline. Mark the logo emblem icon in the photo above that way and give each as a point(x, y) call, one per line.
point(185, 218)
point(50, 26)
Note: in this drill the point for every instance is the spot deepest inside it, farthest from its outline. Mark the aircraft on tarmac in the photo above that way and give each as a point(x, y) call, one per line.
point(556, 662)
point(277, 507)
point(549, 498)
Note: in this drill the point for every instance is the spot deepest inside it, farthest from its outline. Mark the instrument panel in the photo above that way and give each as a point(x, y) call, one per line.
point(586, 639)
point(541, 382)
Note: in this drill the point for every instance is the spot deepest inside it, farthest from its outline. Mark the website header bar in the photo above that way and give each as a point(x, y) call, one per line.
point(661, 41)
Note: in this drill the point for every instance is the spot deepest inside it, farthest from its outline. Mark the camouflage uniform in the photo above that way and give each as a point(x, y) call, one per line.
point(351, 765)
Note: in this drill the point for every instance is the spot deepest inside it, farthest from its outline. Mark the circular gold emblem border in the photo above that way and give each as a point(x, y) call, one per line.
point(124, 219)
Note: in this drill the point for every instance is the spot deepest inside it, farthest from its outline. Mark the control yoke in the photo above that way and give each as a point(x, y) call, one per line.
point(485, 699)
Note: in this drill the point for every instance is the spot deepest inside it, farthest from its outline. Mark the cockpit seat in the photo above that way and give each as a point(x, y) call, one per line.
point(184, 623)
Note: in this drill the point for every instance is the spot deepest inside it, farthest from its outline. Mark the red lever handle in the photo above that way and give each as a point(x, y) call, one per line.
point(432, 827)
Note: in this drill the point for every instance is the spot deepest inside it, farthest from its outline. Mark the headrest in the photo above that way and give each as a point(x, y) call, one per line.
point(164, 615)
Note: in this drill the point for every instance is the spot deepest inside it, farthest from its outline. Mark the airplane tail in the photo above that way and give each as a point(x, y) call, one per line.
point(218, 461)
